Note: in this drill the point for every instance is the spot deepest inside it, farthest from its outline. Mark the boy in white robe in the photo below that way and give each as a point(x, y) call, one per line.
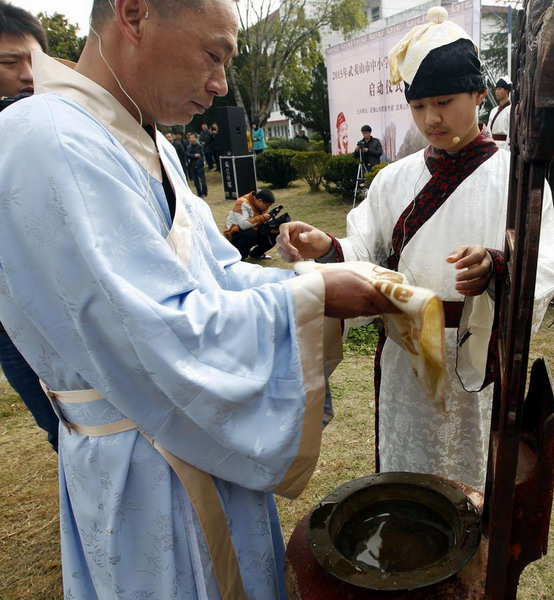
point(437, 216)
point(499, 118)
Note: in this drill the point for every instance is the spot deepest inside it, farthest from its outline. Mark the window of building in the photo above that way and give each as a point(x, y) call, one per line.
point(375, 13)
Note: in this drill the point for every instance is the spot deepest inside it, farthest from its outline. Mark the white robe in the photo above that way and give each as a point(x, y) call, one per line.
point(501, 125)
point(413, 435)
point(220, 362)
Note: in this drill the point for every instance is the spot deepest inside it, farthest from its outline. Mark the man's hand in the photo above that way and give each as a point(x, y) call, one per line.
point(297, 240)
point(478, 266)
point(349, 295)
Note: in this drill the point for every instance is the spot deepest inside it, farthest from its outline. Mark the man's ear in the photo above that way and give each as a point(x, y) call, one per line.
point(132, 18)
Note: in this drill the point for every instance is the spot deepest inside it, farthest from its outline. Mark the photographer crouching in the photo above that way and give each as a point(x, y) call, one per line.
point(252, 227)
point(370, 148)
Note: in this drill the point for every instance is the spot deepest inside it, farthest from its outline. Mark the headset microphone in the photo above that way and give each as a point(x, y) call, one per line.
point(457, 139)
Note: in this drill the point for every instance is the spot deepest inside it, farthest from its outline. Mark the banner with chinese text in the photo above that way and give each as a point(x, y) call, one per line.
point(361, 93)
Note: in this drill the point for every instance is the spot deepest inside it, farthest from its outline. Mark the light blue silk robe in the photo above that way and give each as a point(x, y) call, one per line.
point(202, 353)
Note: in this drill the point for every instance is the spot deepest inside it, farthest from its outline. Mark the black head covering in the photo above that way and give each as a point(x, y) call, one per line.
point(450, 69)
point(505, 83)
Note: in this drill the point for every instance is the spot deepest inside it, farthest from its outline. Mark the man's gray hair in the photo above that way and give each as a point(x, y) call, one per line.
point(102, 9)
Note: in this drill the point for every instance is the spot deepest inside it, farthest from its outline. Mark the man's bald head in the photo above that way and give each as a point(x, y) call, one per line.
point(167, 9)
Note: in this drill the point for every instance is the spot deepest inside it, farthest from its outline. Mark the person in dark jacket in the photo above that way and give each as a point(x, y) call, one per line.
point(370, 148)
point(205, 138)
point(195, 155)
point(213, 145)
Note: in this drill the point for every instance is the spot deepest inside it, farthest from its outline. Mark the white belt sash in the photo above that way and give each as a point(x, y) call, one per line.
point(199, 486)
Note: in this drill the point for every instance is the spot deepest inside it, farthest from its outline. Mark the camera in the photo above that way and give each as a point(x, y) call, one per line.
point(6, 101)
point(275, 211)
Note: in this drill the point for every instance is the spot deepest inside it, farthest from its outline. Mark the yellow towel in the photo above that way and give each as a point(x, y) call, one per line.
point(418, 329)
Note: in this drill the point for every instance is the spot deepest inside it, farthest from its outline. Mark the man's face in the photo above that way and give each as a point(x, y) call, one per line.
point(192, 138)
point(184, 61)
point(169, 137)
point(443, 118)
point(261, 205)
point(16, 76)
point(367, 135)
point(501, 94)
point(204, 127)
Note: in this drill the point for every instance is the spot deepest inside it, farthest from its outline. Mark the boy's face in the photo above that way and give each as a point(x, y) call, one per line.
point(501, 94)
point(16, 76)
point(441, 119)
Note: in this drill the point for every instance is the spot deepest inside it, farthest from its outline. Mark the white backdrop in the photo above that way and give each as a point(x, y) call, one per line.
point(360, 91)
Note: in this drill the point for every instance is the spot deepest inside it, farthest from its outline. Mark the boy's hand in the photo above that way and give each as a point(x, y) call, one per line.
point(476, 267)
point(298, 240)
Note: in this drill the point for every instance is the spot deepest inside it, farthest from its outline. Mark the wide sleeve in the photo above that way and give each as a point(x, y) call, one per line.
point(231, 381)
point(477, 334)
point(365, 227)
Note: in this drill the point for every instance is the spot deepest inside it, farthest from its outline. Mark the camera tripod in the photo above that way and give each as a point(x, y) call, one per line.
point(361, 186)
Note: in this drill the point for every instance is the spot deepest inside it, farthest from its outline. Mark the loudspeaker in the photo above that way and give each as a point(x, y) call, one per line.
point(231, 139)
point(239, 175)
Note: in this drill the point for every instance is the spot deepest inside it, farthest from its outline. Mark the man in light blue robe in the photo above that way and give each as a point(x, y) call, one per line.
point(189, 384)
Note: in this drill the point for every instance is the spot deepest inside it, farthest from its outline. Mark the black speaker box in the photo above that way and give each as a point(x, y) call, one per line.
point(231, 121)
point(239, 175)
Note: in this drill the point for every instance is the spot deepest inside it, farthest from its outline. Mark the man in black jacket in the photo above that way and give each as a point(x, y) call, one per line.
point(195, 155)
point(370, 147)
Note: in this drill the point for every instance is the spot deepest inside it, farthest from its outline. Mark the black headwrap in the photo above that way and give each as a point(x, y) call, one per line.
point(450, 69)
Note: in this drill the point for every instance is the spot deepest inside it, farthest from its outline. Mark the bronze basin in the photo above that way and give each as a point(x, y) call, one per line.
point(394, 531)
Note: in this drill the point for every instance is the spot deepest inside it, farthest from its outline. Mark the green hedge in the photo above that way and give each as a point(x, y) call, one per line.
point(309, 167)
point(370, 175)
point(340, 175)
point(275, 167)
point(281, 143)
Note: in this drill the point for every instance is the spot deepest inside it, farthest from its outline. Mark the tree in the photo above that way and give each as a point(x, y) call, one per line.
point(495, 57)
point(311, 108)
point(279, 45)
point(62, 36)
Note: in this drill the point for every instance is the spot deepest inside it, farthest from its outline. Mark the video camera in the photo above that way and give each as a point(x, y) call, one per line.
point(6, 101)
point(275, 211)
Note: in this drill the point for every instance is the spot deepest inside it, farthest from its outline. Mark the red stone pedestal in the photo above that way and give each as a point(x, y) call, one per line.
point(307, 580)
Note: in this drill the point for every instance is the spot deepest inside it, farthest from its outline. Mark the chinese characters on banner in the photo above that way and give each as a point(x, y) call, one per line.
point(361, 93)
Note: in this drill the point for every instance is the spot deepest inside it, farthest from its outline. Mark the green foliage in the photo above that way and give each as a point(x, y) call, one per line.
point(275, 167)
point(362, 341)
point(62, 36)
point(309, 166)
point(277, 49)
point(281, 143)
point(340, 175)
point(317, 146)
point(311, 107)
point(370, 175)
point(495, 56)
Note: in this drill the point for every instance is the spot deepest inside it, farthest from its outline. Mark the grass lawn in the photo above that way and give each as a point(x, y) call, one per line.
point(29, 544)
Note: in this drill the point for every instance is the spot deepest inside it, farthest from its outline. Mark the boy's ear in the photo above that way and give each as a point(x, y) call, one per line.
point(480, 98)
